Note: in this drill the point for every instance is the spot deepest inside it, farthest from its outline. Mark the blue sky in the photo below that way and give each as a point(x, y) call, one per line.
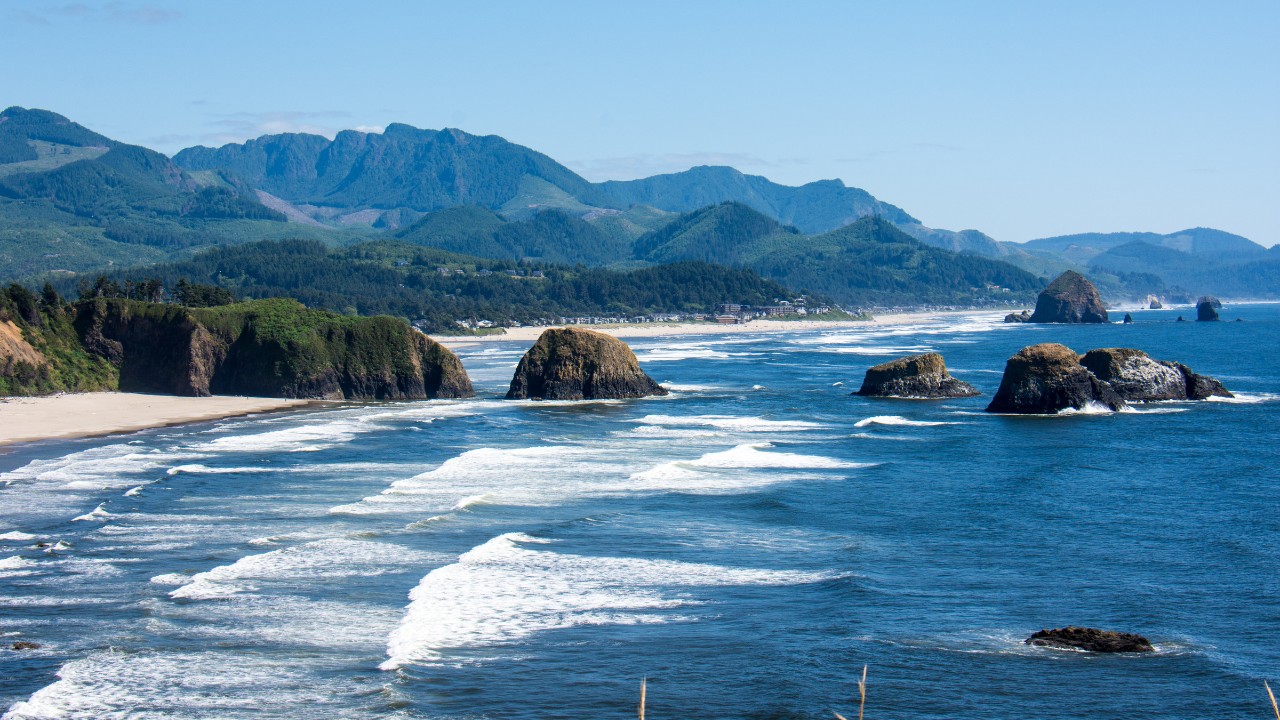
point(1021, 119)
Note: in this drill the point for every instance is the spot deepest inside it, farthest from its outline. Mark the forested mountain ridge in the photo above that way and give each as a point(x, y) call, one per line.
point(73, 200)
point(438, 287)
point(401, 167)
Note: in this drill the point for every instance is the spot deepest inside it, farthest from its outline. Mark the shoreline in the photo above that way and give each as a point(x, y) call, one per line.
point(83, 415)
point(530, 333)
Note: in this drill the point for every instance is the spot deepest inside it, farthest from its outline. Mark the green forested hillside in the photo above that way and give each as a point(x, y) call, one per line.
point(439, 287)
point(870, 262)
point(73, 200)
point(548, 236)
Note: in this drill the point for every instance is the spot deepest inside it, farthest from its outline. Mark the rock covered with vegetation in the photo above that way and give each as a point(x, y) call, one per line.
point(1207, 308)
point(1047, 378)
point(578, 364)
point(1090, 639)
point(1137, 377)
point(268, 348)
point(915, 376)
point(1071, 298)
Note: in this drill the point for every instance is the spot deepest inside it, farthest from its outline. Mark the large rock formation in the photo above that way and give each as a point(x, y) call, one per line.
point(1044, 379)
point(1153, 303)
point(1090, 639)
point(577, 364)
point(1207, 308)
point(917, 376)
point(1136, 377)
point(267, 348)
point(1021, 317)
point(1069, 299)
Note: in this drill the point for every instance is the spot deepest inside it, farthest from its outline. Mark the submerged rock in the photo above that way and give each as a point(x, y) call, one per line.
point(1207, 308)
point(916, 376)
point(1047, 378)
point(577, 364)
point(25, 645)
point(1021, 317)
point(1071, 298)
point(1181, 319)
point(1090, 639)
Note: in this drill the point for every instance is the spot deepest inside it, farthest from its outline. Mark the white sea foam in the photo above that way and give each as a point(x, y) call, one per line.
point(113, 685)
point(469, 502)
point(731, 423)
point(197, 469)
point(708, 473)
point(15, 562)
point(304, 438)
point(899, 420)
point(1246, 398)
point(134, 492)
point(97, 514)
point(502, 592)
point(171, 579)
point(331, 558)
point(1090, 408)
point(16, 536)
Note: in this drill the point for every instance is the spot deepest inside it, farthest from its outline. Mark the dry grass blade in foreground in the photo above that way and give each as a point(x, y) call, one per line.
point(1275, 708)
point(643, 682)
point(862, 696)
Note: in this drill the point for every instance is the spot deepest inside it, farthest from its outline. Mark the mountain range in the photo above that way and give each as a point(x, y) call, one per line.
point(72, 200)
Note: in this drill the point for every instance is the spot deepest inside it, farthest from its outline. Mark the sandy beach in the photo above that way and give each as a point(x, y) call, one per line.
point(91, 414)
point(531, 333)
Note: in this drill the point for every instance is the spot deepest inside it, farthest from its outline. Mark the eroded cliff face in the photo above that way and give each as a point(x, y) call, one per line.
point(157, 348)
point(270, 348)
point(577, 364)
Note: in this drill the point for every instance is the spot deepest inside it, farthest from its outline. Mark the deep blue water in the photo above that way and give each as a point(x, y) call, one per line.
point(747, 543)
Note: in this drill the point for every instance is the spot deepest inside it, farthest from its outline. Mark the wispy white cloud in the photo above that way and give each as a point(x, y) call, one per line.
point(40, 13)
point(629, 167)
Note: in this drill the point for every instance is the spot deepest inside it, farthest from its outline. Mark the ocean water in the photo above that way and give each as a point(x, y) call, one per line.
point(747, 543)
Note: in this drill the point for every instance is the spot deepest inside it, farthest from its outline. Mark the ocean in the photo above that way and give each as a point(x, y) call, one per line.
point(747, 543)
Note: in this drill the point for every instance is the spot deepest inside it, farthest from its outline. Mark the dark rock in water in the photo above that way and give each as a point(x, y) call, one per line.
point(1136, 377)
point(917, 376)
point(25, 645)
point(1090, 639)
point(1128, 319)
point(1181, 319)
point(1069, 299)
point(1023, 316)
point(1207, 308)
point(1153, 303)
point(577, 364)
point(1201, 387)
point(1044, 379)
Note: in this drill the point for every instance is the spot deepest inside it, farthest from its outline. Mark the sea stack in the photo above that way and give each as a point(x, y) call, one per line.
point(1069, 299)
point(1091, 640)
point(1136, 377)
point(1044, 379)
point(1207, 308)
point(916, 376)
point(577, 364)
point(1021, 317)
point(1128, 319)
point(1153, 303)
